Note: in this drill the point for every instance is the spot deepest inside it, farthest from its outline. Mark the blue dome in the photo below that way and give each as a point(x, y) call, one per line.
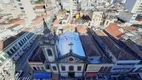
point(67, 38)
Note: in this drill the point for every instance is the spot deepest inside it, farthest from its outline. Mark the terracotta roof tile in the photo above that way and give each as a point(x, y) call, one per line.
point(82, 29)
point(13, 26)
point(39, 7)
point(113, 30)
point(39, 19)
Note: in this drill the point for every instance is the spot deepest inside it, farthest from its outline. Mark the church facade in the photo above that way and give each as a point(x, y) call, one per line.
point(71, 55)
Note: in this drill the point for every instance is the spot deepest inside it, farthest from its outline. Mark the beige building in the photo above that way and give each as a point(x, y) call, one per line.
point(97, 18)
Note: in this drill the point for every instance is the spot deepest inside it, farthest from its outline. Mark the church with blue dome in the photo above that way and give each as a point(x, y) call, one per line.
point(80, 54)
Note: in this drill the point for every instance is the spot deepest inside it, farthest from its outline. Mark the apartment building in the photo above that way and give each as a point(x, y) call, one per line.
point(40, 10)
point(97, 18)
point(6, 1)
point(12, 49)
point(10, 10)
point(26, 9)
point(70, 5)
point(133, 6)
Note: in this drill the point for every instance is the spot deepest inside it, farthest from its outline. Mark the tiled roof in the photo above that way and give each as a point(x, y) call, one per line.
point(39, 7)
point(82, 29)
point(5, 43)
point(69, 28)
point(39, 19)
point(15, 21)
point(89, 46)
point(13, 26)
point(113, 30)
point(38, 56)
point(119, 53)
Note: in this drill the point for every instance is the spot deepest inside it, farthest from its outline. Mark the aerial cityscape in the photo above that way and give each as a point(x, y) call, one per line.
point(70, 39)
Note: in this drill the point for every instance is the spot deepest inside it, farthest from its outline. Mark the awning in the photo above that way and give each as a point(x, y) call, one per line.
point(41, 75)
point(91, 74)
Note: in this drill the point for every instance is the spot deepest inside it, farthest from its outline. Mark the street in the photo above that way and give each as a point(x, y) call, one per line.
point(22, 63)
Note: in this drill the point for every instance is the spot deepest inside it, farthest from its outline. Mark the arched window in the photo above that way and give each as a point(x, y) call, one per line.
point(71, 68)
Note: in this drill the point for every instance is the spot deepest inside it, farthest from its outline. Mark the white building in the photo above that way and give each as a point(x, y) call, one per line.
point(70, 5)
point(6, 1)
point(87, 4)
point(134, 6)
point(10, 10)
point(97, 18)
point(27, 10)
point(130, 18)
point(12, 52)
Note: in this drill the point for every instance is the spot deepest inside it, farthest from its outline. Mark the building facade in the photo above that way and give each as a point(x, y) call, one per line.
point(134, 6)
point(26, 9)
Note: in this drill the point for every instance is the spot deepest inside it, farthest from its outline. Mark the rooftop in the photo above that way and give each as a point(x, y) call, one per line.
point(38, 56)
point(5, 43)
point(134, 47)
point(82, 29)
point(119, 53)
point(14, 21)
point(37, 20)
point(68, 38)
point(69, 27)
point(11, 27)
point(40, 7)
point(89, 46)
point(113, 30)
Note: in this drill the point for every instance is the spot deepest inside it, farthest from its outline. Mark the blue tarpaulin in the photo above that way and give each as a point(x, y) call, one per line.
point(42, 75)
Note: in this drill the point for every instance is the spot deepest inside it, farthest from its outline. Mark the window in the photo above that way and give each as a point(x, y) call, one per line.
point(63, 68)
point(34, 68)
point(38, 68)
point(47, 66)
point(9, 53)
point(71, 68)
point(54, 68)
point(21, 8)
point(42, 68)
point(79, 68)
point(49, 52)
point(125, 63)
point(20, 43)
point(18, 0)
point(101, 69)
point(12, 50)
point(71, 59)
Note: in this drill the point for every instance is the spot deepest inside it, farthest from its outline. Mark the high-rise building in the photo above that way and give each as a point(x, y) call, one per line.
point(70, 5)
point(26, 9)
point(97, 18)
point(134, 6)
